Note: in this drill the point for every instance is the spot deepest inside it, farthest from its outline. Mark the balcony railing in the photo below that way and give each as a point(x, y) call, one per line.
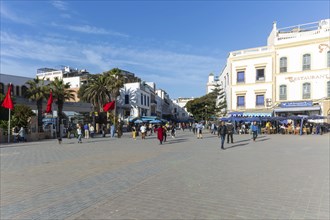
point(250, 51)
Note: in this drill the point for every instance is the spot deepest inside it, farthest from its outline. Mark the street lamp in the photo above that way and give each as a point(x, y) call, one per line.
point(205, 113)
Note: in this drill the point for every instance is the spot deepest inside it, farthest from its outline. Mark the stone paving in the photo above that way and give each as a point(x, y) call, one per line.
point(276, 177)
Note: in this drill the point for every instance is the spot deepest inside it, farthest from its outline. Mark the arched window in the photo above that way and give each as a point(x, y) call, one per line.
point(306, 62)
point(24, 90)
point(17, 91)
point(2, 88)
point(328, 58)
point(283, 92)
point(306, 91)
point(12, 89)
point(283, 65)
point(328, 88)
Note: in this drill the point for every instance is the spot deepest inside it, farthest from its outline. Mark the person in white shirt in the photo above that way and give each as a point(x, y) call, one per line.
point(143, 130)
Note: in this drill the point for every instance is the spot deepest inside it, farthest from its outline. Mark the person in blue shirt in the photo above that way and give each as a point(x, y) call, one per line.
point(254, 129)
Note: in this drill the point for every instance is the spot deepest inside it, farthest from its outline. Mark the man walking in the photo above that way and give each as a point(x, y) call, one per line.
point(254, 129)
point(222, 131)
point(230, 131)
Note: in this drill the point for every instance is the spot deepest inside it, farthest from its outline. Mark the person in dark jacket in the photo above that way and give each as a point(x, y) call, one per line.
point(222, 131)
point(230, 131)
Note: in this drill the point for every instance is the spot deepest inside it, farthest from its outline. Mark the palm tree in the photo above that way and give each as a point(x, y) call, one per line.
point(95, 92)
point(61, 93)
point(115, 81)
point(37, 91)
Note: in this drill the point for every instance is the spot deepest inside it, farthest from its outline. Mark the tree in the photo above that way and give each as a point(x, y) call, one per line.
point(37, 91)
point(95, 91)
point(61, 93)
point(115, 81)
point(208, 105)
point(22, 115)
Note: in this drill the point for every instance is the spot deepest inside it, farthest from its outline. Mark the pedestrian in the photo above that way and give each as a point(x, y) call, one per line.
point(230, 131)
point(164, 133)
point(173, 130)
point(134, 132)
point(199, 130)
point(254, 129)
point(86, 130)
point(160, 134)
point(21, 135)
point(222, 131)
point(91, 130)
point(69, 132)
point(143, 130)
point(112, 130)
point(79, 133)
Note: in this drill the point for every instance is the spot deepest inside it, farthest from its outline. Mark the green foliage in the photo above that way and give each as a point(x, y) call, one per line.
point(207, 106)
point(102, 88)
point(21, 116)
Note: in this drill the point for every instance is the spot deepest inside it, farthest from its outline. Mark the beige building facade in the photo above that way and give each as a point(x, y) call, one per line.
point(289, 76)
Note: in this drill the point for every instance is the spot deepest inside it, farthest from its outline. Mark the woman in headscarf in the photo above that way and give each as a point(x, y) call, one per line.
point(160, 133)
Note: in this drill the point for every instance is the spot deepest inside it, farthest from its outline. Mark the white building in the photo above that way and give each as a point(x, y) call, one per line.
point(289, 76)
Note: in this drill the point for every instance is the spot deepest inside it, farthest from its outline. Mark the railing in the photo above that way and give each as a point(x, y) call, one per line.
point(249, 51)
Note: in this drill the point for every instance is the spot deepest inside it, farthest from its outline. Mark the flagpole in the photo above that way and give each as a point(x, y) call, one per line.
point(9, 127)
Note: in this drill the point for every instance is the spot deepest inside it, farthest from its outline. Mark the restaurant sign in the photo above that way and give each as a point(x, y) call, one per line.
point(311, 77)
point(296, 104)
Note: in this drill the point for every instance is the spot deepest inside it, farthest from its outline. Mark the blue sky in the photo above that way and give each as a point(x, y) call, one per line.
point(175, 44)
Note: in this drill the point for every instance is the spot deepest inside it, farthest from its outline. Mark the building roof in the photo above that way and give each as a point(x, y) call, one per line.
point(15, 80)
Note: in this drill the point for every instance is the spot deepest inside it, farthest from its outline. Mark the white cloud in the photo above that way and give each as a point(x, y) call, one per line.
point(163, 67)
point(60, 5)
point(90, 30)
point(8, 14)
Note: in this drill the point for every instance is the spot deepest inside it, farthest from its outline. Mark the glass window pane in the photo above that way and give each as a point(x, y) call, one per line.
point(240, 101)
point(306, 91)
point(260, 74)
point(328, 85)
point(307, 62)
point(283, 65)
point(260, 100)
point(283, 92)
point(240, 76)
point(328, 60)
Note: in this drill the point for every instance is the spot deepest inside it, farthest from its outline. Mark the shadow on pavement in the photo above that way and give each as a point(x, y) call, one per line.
point(265, 139)
point(236, 145)
point(174, 141)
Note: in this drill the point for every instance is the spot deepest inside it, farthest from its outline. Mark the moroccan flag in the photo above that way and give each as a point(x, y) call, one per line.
point(109, 106)
point(7, 102)
point(49, 103)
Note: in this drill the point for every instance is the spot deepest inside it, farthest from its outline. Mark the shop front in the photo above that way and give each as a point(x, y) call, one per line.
point(287, 109)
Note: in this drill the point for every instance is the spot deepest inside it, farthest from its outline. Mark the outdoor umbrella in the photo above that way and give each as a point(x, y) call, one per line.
point(156, 121)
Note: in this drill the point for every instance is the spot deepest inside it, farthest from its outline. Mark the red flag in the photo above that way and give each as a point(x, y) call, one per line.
point(109, 106)
point(49, 103)
point(7, 102)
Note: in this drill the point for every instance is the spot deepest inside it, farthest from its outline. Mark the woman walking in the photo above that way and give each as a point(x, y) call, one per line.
point(79, 133)
point(160, 134)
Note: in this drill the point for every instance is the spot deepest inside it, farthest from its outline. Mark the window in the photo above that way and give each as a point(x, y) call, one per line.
point(2, 88)
point(282, 92)
point(24, 91)
point(260, 100)
point(148, 101)
point(240, 77)
point(306, 62)
point(17, 91)
point(260, 74)
point(240, 101)
point(126, 99)
point(12, 89)
point(306, 91)
point(328, 87)
point(328, 59)
point(145, 100)
point(283, 65)
point(141, 99)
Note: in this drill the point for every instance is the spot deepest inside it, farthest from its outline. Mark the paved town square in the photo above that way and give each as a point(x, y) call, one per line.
point(276, 177)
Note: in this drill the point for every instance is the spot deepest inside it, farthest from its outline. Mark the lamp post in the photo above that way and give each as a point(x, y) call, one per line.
point(205, 114)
